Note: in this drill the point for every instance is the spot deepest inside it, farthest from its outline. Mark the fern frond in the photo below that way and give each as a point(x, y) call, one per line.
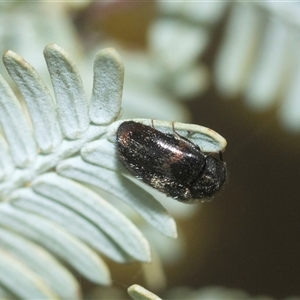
point(259, 58)
point(55, 169)
point(137, 292)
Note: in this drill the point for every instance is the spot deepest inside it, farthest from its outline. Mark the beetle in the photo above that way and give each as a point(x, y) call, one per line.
point(169, 163)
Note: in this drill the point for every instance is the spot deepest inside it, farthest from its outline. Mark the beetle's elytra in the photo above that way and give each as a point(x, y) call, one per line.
point(169, 163)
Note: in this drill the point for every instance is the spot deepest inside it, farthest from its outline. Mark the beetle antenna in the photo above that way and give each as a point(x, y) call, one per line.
point(221, 156)
point(152, 123)
point(176, 134)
